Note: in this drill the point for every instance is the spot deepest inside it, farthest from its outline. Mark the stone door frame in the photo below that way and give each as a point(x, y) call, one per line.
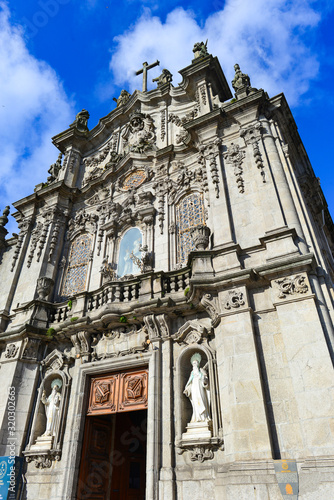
point(76, 422)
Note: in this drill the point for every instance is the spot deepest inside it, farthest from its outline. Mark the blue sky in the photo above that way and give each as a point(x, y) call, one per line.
point(59, 56)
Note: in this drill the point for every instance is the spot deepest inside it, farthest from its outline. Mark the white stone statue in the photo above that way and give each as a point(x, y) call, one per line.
point(52, 403)
point(197, 390)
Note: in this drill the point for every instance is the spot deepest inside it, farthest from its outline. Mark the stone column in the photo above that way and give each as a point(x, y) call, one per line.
point(153, 422)
point(167, 486)
point(283, 190)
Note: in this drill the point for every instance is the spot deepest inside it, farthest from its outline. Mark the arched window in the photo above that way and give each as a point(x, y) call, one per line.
point(129, 253)
point(77, 267)
point(189, 214)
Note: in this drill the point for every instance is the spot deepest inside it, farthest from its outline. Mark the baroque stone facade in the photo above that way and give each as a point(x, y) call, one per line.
point(176, 270)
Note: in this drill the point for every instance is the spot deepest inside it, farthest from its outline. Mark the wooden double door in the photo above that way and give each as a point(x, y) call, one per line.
point(113, 460)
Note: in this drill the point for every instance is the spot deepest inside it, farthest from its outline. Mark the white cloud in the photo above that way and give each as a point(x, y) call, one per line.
point(268, 38)
point(33, 108)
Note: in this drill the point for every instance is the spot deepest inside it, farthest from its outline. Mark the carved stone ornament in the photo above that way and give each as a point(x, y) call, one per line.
point(163, 79)
point(200, 50)
point(30, 349)
point(81, 343)
point(235, 156)
point(82, 222)
point(210, 152)
point(208, 303)
point(54, 170)
point(157, 326)
point(123, 98)
point(107, 271)
point(24, 225)
point(201, 453)
point(44, 287)
point(200, 236)
point(43, 460)
point(241, 83)
point(139, 135)
point(11, 351)
point(234, 300)
point(252, 136)
point(81, 120)
point(292, 285)
point(192, 332)
point(128, 339)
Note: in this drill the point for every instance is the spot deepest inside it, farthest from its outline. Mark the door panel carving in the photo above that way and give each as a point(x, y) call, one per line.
point(119, 392)
point(103, 395)
point(133, 391)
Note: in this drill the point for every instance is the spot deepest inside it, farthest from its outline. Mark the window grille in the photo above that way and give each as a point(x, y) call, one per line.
point(76, 272)
point(189, 214)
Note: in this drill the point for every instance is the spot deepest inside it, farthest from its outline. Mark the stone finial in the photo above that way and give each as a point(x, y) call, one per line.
point(4, 218)
point(200, 50)
point(165, 77)
point(81, 120)
point(44, 286)
point(123, 98)
point(200, 236)
point(241, 83)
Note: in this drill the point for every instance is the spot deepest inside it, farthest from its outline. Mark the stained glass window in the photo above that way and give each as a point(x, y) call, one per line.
point(134, 179)
point(189, 213)
point(76, 272)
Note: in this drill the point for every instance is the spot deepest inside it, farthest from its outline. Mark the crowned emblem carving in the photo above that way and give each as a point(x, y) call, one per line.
point(139, 135)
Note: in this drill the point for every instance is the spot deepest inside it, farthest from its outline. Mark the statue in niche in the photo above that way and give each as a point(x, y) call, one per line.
point(139, 135)
point(51, 404)
point(197, 390)
point(130, 246)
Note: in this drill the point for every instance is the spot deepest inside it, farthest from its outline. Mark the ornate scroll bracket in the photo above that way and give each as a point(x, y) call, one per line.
point(157, 326)
point(208, 303)
point(292, 285)
point(252, 136)
point(235, 156)
point(81, 343)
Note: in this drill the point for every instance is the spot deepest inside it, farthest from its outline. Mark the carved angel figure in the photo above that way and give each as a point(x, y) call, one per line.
point(51, 404)
point(197, 390)
point(139, 135)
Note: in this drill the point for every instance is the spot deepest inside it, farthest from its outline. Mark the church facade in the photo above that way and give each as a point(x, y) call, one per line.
point(166, 315)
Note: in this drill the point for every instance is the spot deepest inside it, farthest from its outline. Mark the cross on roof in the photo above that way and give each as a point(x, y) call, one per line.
point(144, 70)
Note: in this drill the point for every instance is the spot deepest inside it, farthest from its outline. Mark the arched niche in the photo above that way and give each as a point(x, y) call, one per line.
point(192, 337)
point(129, 254)
point(44, 448)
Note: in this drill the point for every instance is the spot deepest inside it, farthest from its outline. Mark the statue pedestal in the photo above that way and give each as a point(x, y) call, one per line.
point(197, 430)
point(42, 443)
